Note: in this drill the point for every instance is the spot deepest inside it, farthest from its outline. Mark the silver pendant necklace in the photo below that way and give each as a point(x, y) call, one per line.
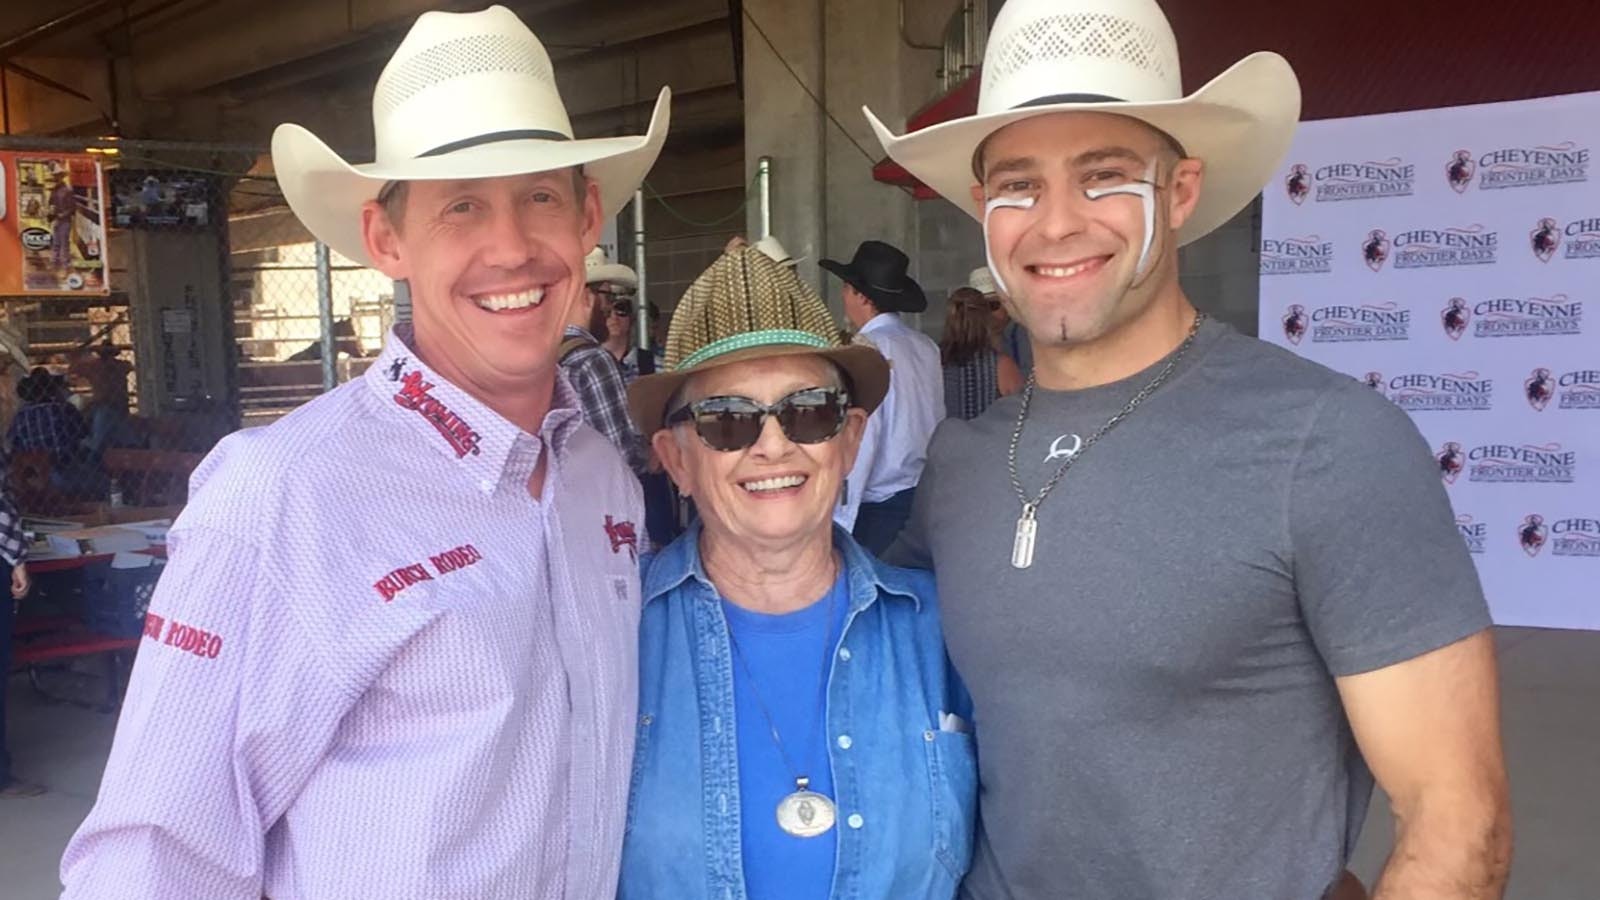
point(803, 812)
point(1028, 525)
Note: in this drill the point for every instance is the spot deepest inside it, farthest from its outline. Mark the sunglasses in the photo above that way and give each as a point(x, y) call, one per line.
point(726, 424)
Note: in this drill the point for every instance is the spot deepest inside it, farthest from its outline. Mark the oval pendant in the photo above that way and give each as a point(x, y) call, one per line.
point(805, 814)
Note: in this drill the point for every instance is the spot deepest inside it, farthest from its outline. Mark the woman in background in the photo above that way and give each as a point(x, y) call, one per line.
point(975, 373)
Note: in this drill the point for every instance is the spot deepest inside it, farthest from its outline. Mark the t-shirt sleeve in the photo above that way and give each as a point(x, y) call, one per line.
point(1381, 572)
point(228, 712)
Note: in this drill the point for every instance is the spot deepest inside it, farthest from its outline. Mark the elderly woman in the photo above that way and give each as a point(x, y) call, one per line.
point(801, 734)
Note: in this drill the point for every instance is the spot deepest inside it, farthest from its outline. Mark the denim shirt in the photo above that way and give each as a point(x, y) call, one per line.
point(904, 775)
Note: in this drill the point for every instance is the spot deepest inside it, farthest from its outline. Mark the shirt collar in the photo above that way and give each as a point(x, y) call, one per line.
point(485, 445)
point(579, 331)
point(880, 322)
point(868, 578)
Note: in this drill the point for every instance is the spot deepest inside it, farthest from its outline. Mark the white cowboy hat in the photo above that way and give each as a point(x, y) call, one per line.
point(599, 270)
point(466, 95)
point(982, 281)
point(1114, 56)
point(775, 252)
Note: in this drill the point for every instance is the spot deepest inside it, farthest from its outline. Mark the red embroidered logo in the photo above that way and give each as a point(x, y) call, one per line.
point(449, 561)
point(622, 534)
point(414, 396)
point(187, 638)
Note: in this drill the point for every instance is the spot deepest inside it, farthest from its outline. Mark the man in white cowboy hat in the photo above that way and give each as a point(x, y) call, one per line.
point(595, 374)
point(1196, 585)
point(393, 653)
point(615, 287)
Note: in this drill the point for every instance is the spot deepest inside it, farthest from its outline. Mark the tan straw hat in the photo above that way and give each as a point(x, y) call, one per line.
point(747, 306)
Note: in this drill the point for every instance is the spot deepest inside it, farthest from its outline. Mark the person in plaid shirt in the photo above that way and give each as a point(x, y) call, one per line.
point(595, 374)
point(14, 551)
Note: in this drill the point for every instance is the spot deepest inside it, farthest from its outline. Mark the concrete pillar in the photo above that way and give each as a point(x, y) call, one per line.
point(849, 53)
point(782, 122)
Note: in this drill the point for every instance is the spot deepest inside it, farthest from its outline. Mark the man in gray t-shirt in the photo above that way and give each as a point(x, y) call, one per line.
point(1201, 590)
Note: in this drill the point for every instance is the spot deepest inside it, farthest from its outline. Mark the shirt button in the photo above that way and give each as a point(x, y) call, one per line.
point(844, 653)
point(855, 820)
point(845, 742)
point(486, 484)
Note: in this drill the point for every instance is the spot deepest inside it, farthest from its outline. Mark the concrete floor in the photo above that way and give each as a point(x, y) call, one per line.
point(1551, 685)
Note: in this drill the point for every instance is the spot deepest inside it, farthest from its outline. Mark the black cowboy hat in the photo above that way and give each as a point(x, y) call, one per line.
point(879, 271)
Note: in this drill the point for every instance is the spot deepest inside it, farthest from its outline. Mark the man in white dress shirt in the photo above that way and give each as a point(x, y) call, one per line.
point(877, 289)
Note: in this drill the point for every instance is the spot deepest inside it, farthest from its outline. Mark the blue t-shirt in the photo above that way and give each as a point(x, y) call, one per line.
point(784, 656)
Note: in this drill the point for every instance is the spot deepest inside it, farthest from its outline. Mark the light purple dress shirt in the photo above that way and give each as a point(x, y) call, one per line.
point(376, 667)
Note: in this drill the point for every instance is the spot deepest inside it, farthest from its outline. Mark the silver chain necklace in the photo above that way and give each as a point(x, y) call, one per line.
point(1028, 524)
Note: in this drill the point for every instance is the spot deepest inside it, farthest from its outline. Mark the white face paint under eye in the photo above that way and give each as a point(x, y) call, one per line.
point(989, 206)
point(1146, 192)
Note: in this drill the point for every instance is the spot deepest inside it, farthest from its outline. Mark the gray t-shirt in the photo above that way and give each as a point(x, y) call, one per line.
point(1156, 711)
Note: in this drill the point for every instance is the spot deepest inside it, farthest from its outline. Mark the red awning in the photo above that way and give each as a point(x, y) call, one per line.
point(962, 100)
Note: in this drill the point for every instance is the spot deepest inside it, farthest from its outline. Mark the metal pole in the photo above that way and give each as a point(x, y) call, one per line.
point(764, 186)
point(325, 308)
point(641, 309)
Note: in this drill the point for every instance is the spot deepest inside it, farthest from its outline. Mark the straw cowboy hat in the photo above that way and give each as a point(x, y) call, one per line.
point(466, 95)
point(879, 270)
point(599, 270)
point(747, 307)
point(1114, 56)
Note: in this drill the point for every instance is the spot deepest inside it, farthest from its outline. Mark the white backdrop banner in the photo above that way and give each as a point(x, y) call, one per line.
point(1451, 259)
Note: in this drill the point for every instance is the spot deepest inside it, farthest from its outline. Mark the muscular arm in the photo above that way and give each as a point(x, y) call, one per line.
point(1429, 728)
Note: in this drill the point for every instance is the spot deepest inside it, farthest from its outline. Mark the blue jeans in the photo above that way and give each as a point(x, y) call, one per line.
point(878, 524)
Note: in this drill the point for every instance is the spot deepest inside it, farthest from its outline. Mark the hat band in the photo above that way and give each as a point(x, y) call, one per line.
point(1054, 99)
point(495, 137)
point(745, 341)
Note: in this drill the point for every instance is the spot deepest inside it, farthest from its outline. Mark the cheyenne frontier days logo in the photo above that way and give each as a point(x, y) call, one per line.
point(1352, 180)
point(1347, 324)
point(1515, 167)
point(1508, 463)
point(1425, 248)
point(1575, 536)
point(1530, 317)
point(1296, 256)
point(1577, 389)
point(1428, 392)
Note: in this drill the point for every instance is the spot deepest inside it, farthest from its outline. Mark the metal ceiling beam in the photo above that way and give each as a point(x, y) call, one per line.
point(88, 12)
point(45, 80)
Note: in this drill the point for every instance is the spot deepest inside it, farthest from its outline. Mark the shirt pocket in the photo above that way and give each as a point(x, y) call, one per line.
point(953, 783)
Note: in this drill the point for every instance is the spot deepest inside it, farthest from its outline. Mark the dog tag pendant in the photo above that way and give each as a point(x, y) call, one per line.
point(1027, 530)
